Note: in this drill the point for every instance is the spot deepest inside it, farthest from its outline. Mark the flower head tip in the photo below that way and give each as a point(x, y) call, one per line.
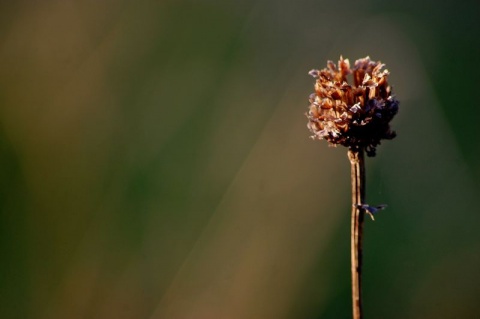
point(356, 115)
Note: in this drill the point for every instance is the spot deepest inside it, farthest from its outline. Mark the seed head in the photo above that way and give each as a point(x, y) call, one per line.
point(354, 115)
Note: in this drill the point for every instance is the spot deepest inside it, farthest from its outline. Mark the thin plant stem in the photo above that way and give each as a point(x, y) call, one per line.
point(357, 162)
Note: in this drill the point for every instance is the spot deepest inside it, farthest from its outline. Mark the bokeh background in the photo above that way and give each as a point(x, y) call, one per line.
point(155, 161)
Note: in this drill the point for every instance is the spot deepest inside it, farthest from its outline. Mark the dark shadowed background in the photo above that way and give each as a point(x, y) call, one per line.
point(155, 161)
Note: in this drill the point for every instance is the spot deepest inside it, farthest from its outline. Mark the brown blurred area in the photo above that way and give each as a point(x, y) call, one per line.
point(155, 161)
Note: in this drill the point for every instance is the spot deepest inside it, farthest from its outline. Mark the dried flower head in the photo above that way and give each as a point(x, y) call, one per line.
point(356, 116)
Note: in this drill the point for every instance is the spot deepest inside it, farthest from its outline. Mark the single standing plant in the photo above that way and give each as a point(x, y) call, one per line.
point(353, 107)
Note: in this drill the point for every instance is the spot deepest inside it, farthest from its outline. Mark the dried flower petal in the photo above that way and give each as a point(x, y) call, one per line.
point(314, 73)
point(354, 115)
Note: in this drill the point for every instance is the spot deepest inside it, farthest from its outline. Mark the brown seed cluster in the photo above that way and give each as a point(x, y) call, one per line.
point(356, 116)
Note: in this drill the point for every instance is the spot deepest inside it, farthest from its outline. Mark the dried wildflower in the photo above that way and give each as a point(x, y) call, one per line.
point(354, 115)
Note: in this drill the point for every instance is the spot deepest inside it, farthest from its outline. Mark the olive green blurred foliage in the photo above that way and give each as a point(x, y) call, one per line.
point(155, 161)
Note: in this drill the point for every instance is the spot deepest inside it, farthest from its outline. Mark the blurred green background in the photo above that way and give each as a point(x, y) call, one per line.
point(155, 161)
